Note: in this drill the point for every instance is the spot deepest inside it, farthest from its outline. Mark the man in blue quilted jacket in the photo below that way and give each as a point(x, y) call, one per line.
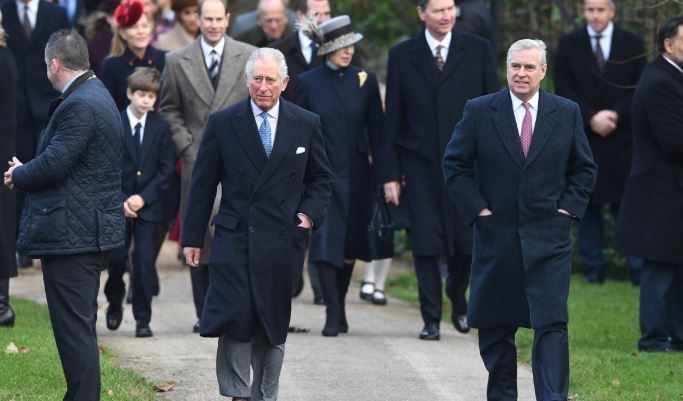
point(73, 215)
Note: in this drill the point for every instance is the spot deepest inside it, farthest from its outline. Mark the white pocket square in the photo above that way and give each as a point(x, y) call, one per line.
point(300, 150)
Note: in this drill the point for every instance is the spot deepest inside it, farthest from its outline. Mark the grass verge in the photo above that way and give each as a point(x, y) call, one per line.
point(603, 330)
point(36, 375)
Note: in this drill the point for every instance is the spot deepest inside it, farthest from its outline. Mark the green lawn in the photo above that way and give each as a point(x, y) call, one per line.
point(37, 374)
point(603, 330)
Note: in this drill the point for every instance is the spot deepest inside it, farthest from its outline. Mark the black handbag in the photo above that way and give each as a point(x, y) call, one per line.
point(387, 217)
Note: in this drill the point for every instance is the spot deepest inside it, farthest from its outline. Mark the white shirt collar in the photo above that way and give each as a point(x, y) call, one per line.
point(678, 67)
point(32, 5)
point(206, 49)
point(432, 42)
point(516, 102)
point(274, 111)
point(304, 40)
point(606, 33)
point(134, 120)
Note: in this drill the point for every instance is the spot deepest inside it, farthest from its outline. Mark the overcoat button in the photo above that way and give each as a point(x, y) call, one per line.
point(251, 229)
point(139, 173)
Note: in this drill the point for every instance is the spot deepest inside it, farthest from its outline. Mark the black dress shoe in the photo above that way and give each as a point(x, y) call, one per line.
point(7, 318)
point(367, 296)
point(430, 332)
point(114, 317)
point(143, 330)
point(195, 328)
point(460, 323)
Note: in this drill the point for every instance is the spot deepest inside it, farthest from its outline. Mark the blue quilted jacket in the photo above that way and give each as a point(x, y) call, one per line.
point(73, 185)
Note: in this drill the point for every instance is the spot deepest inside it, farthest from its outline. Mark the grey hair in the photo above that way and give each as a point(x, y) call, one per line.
point(68, 46)
point(266, 53)
point(528, 44)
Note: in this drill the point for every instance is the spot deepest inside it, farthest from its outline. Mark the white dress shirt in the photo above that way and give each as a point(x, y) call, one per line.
point(134, 121)
point(206, 50)
point(32, 12)
point(433, 43)
point(520, 111)
point(605, 39)
point(273, 115)
point(306, 50)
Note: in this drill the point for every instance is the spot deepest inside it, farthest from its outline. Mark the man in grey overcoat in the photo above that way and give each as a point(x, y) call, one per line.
point(520, 169)
point(200, 79)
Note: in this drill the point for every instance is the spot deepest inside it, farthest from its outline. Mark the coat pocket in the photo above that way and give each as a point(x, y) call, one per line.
point(227, 221)
point(48, 222)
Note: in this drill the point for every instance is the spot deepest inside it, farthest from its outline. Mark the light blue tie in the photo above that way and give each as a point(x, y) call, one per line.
point(264, 132)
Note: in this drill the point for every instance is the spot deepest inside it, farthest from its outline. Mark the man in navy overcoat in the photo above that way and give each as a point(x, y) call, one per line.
point(429, 79)
point(269, 156)
point(650, 224)
point(520, 169)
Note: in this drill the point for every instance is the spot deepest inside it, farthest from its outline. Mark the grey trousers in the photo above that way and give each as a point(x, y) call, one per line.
point(234, 360)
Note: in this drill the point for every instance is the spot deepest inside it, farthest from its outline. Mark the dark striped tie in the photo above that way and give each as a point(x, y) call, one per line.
point(213, 69)
point(438, 58)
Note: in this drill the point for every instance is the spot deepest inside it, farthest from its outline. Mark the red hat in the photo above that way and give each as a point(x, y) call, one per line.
point(128, 13)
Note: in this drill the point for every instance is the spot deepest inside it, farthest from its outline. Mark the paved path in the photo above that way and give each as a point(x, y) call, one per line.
point(380, 359)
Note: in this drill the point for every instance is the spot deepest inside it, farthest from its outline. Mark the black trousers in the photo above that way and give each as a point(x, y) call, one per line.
point(71, 286)
point(549, 362)
point(661, 306)
point(428, 274)
point(141, 233)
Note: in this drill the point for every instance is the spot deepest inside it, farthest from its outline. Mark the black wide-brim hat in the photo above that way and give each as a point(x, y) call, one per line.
point(337, 34)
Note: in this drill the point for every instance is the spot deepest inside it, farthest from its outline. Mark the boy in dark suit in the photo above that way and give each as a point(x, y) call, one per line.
point(146, 170)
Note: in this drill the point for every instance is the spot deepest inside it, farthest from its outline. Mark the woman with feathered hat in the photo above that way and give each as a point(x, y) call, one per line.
point(347, 99)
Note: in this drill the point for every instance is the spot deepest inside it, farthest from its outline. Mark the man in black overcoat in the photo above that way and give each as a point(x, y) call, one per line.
point(270, 158)
point(519, 169)
point(27, 33)
point(429, 79)
point(598, 67)
point(650, 223)
point(299, 50)
point(73, 214)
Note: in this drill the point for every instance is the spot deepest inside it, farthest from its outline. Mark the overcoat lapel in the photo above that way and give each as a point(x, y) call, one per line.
point(422, 59)
point(247, 134)
point(298, 54)
point(456, 53)
point(504, 120)
point(195, 70)
point(11, 21)
point(228, 76)
point(585, 53)
point(285, 133)
point(546, 120)
point(41, 15)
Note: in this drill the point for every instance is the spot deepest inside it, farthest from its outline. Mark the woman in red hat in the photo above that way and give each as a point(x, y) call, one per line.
point(130, 48)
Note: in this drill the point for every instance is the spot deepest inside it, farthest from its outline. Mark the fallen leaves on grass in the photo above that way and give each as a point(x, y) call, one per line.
point(110, 392)
point(616, 382)
point(13, 349)
point(164, 387)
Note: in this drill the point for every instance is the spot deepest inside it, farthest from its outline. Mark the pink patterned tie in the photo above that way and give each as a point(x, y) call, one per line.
point(527, 130)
